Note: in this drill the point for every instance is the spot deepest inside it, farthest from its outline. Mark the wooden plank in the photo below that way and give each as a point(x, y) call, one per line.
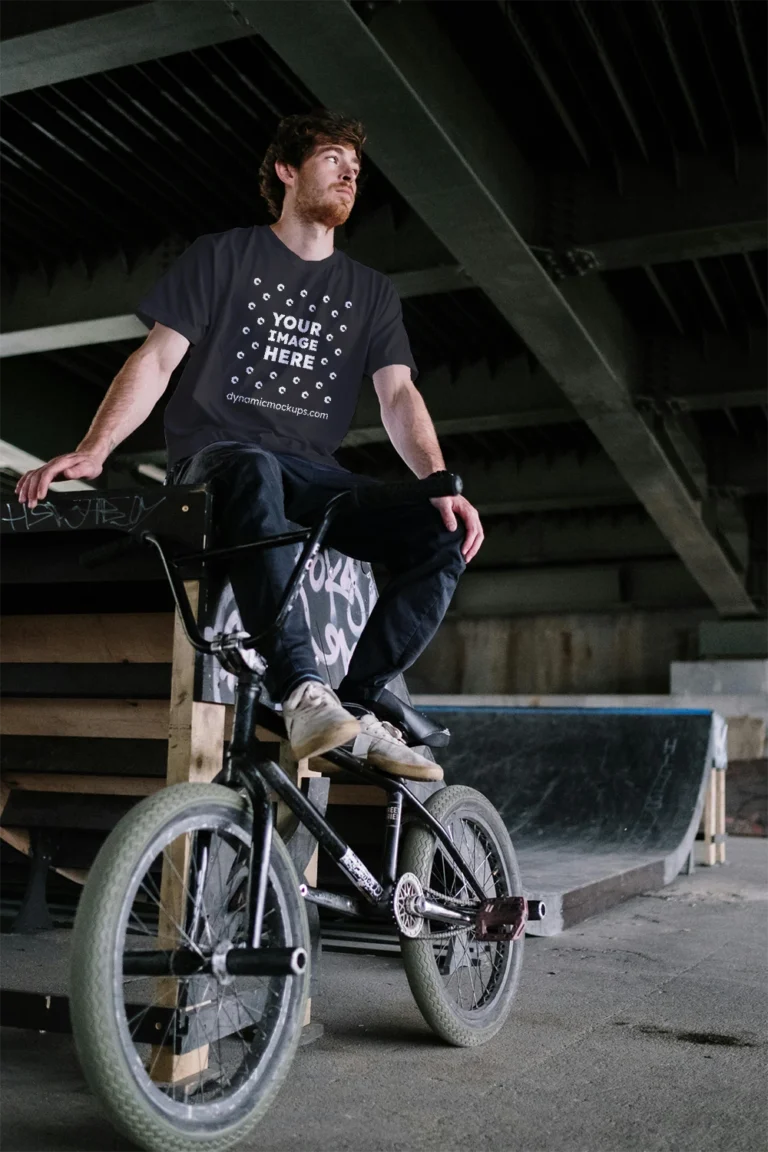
point(720, 821)
point(18, 838)
point(709, 828)
point(168, 1068)
point(86, 681)
point(84, 785)
point(85, 757)
point(101, 638)
point(97, 813)
point(195, 753)
point(364, 795)
point(114, 719)
point(195, 730)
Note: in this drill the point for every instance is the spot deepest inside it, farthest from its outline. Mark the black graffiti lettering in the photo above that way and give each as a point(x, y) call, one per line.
point(124, 512)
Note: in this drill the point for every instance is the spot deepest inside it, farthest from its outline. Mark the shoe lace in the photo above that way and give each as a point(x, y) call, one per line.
point(312, 696)
point(384, 728)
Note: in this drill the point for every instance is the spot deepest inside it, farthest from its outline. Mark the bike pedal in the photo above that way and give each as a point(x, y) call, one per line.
point(502, 919)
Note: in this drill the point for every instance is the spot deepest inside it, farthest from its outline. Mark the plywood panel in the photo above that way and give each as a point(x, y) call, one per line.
point(116, 719)
point(136, 637)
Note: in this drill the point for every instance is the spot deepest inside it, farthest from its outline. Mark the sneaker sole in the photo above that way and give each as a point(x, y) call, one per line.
point(406, 771)
point(327, 740)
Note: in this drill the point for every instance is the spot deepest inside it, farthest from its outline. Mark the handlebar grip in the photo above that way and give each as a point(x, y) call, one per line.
point(95, 557)
point(408, 491)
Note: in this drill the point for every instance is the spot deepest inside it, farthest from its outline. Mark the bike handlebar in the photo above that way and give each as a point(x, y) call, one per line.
point(364, 496)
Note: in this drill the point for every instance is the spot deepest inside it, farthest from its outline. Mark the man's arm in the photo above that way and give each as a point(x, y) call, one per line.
point(409, 426)
point(131, 397)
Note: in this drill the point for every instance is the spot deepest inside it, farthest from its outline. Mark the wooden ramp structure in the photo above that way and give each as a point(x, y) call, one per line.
point(601, 803)
point(104, 701)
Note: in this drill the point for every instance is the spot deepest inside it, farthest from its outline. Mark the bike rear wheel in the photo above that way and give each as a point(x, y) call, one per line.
point(464, 987)
point(184, 1062)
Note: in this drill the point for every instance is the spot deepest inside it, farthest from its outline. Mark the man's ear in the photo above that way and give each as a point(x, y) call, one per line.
point(286, 173)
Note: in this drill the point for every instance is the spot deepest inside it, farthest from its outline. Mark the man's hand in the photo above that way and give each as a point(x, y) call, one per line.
point(34, 485)
point(449, 508)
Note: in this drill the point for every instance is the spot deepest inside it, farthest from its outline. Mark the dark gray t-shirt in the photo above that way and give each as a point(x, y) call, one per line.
point(280, 344)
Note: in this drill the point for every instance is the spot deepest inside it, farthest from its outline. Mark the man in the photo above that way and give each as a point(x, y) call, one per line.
point(283, 328)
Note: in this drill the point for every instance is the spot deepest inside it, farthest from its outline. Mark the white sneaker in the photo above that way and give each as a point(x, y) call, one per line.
point(382, 744)
point(315, 720)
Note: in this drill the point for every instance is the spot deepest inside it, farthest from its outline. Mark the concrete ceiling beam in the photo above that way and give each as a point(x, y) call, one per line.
point(129, 36)
point(433, 134)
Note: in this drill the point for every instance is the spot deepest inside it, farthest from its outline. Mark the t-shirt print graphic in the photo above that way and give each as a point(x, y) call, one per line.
point(291, 350)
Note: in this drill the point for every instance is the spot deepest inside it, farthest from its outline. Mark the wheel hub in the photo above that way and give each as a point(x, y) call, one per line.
point(408, 891)
point(219, 962)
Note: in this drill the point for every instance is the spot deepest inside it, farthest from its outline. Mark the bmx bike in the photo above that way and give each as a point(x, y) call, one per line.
point(190, 954)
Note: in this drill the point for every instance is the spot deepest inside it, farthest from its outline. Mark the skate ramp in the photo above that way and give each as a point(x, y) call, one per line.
point(601, 804)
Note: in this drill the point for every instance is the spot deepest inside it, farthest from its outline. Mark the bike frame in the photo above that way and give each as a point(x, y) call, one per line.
point(248, 765)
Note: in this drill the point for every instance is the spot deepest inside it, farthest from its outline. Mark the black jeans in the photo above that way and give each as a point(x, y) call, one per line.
point(258, 493)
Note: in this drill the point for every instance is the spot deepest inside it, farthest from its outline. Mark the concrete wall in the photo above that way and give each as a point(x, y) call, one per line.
point(627, 652)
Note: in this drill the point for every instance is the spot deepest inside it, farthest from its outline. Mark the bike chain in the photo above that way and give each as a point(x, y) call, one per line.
point(447, 932)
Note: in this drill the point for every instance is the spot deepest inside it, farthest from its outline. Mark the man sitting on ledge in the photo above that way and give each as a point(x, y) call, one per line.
point(283, 328)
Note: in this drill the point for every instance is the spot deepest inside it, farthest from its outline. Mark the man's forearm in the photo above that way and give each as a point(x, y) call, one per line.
point(410, 428)
point(131, 397)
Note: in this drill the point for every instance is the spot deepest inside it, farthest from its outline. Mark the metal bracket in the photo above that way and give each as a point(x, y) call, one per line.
point(33, 915)
point(567, 263)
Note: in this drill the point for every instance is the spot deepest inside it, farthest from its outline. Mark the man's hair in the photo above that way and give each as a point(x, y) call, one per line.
point(296, 139)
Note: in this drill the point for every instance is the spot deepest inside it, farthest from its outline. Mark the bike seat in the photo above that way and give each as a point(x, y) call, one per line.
point(417, 728)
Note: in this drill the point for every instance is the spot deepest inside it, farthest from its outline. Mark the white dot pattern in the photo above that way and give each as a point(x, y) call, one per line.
point(329, 336)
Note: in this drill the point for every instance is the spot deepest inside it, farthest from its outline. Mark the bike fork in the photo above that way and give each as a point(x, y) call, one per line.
point(258, 866)
point(246, 699)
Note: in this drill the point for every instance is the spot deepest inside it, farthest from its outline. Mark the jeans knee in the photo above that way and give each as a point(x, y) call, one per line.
point(450, 549)
point(248, 493)
point(441, 544)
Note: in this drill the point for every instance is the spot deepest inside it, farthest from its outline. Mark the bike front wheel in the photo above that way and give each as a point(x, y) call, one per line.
point(463, 986)
point(184, 1062)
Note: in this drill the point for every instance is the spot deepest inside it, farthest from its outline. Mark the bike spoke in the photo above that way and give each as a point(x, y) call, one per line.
point(228, 1026)
point(472, 969)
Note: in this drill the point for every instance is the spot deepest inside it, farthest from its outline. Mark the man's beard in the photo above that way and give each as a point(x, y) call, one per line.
point(316, 209)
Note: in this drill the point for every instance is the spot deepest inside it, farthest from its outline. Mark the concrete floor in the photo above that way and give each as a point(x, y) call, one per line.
point(642, 1030)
